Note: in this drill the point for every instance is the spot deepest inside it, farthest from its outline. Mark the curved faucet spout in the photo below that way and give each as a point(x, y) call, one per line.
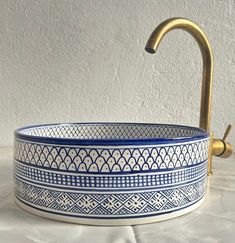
point(217, 147)
point(197, 33)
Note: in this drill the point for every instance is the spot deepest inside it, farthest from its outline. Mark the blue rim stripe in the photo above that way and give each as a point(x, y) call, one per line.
point(124, 146)
point(109, 142)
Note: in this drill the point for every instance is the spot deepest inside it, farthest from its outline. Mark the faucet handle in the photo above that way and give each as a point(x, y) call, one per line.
point(220, 147)
point(227, 131)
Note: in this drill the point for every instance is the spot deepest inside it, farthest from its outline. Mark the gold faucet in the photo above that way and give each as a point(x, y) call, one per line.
point(217, 147)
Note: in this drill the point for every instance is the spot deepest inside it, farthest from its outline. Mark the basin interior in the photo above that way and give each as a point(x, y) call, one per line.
point(115, 131)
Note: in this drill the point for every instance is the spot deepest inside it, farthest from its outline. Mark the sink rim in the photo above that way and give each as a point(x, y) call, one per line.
point(110, 141)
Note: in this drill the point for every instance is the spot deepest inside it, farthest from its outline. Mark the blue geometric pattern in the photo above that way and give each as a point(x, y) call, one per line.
point(116, 160)
point(117, 205)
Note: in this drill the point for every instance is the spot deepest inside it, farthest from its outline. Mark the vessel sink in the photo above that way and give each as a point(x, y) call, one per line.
point(110, 173)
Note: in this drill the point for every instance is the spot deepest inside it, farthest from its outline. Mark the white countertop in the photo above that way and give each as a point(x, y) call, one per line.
point(214, 221)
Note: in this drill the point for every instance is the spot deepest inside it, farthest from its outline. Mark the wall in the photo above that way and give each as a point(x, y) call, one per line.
point(84, 60)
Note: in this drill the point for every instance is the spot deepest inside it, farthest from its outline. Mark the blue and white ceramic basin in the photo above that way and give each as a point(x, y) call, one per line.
point(110, 173)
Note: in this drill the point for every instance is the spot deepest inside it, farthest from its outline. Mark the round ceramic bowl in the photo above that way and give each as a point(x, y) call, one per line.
point(110, 173)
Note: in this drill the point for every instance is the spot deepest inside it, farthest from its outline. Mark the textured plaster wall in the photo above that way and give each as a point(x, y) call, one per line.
point(84, 60)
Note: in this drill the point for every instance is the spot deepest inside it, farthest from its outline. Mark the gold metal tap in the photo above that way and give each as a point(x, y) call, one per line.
point(220, 147)
point(217, 147)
